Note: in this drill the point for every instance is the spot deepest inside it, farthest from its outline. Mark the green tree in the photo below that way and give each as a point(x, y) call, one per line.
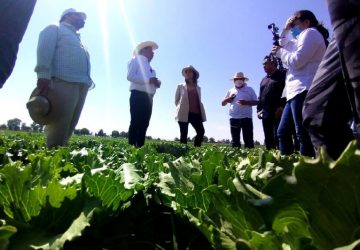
point(101, 133)
point(3, 127)
point(115, 134)
point(124, 134)
point(24, 127)
point(14, 124)
point(85, 131)
point(36, 127)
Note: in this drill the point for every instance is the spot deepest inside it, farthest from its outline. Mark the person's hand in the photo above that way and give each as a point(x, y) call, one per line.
point(230, 98)
point(289, 23)
point(43, 86)
point(155, 81)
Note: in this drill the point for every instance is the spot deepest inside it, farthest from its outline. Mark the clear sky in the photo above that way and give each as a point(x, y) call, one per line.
point(217, 37)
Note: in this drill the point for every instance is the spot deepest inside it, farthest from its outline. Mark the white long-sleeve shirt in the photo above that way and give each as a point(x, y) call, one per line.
point(139, 74)
point(302, 57)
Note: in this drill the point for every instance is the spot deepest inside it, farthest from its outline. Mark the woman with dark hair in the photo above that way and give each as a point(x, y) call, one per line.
point(302, 56)
point(189, 108)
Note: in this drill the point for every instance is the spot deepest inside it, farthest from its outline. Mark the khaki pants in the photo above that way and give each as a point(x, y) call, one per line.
point(67, 100)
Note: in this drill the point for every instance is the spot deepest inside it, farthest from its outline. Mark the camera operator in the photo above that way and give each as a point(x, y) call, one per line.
point(302, 56)
point(270, 105)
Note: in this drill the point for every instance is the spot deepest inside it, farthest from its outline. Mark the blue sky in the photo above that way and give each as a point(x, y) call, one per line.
point(217, 37)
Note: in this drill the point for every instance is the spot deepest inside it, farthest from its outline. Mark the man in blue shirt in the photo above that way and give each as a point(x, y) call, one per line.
point(63, 70)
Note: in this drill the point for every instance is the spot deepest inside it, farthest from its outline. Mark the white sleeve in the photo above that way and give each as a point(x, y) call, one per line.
point(307, 46)
point(137, 71)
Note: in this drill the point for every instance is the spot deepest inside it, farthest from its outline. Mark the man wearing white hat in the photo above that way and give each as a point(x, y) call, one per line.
point(63, 71)
point(143, 85)
point(241, 99)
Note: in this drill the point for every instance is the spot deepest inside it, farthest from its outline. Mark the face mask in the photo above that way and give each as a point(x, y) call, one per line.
point(239, 83)
point(295, 31)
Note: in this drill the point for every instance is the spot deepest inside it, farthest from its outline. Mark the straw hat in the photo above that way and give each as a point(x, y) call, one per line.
point(239, 75)
point(191, 68)
point(145, 44)
point(39, 108)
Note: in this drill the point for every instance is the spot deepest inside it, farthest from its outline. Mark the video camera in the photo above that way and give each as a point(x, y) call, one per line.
point(276, 37)
point(275, 31)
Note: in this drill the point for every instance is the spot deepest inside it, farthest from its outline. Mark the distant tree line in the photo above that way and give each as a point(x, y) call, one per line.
point(17, 125)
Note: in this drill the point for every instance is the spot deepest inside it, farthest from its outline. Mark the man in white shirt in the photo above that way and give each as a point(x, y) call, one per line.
point(241, 99)
point(143, 85)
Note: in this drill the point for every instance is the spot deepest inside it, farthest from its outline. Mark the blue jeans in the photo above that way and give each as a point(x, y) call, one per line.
point(293, 112)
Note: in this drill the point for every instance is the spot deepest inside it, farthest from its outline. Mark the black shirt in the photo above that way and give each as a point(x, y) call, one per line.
point(271, 89)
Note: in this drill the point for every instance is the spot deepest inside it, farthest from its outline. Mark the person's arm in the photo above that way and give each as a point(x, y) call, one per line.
point(177, 95)
point(137, 69)
point(248, 102)
point(253, 99)
point(307, 45)
point(45, 51)
point(227, 99)
point(259, 105)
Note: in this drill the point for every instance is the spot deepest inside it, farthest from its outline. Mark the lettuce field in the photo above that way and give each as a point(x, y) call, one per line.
point(101, 193)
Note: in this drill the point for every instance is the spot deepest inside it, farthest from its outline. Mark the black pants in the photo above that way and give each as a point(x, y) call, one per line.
point(196, 121)
point(246, 125)
point(334, 97)
point(14, 18)
point(140, 112)
point(270, 127)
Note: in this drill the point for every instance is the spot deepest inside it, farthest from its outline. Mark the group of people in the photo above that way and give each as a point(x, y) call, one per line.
point(315, 97)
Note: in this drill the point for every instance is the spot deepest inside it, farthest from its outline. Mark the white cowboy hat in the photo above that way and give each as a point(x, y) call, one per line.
point(145, 44)
point(39, 108)
point(193, 70)
point(239, 75)
point(72, 10)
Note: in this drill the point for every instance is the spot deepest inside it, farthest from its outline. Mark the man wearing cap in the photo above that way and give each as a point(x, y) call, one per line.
point(14, 18)
point(143, 85)
point(241, 99)
point(63, 71)
point(270, 104)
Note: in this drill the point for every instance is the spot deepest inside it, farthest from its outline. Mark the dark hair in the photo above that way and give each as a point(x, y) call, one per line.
point(195, 79)
point(303, 15)
point(271, 58)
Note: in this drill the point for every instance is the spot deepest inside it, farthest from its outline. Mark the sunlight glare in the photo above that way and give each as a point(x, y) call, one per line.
point(129, 29)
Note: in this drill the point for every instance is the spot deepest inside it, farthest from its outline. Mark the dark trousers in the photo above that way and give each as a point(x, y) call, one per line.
point(140, 112)
point(345, 19)
point(196, 121)
point(327, 109)
point(292, 114)
point(246, 125)
point(270, 126)
point(14, 18)
point(335, 90)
